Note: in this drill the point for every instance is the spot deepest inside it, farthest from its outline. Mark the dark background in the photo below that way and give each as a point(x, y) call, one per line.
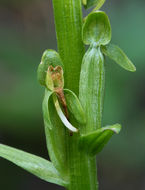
point(26, 30)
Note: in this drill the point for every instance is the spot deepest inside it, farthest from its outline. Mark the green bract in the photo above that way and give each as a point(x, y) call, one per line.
point(97, 29)
point(74, 106)
point(93, 142)
point(53, 129)
point(62, 116)
point(91, 91)
point(49, 58)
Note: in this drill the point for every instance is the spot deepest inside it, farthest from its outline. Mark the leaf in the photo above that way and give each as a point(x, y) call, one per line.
point(63, 117)
point(55, 134)
point(33, 164)
point(89, 3)
point(46, 116)
point(91, 87)
point(55, 131)
point(74, 106)
point(49, 57)
point(116, 54)
point(94, 142)
point(96, 28)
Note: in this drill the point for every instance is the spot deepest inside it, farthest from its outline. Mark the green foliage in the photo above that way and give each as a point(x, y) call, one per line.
point(94, 142)
point(117, 55)
point(72, 150)
point(45, 104)
point(75, 106)
point(91, 92)
point(33, 164)
point(55, 133)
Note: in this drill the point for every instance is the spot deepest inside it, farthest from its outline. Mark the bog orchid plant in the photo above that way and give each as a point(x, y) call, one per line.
point(74, 82)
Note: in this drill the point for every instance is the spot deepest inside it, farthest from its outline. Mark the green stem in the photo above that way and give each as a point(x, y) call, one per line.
point(68, 21)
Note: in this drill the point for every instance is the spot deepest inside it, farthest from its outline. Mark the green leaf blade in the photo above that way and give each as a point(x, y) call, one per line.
point(75, 106)
point(117, 55)
point(94, 142)
point(55, 133)
point(91, 87)
point(33, 164)
point(45, 109)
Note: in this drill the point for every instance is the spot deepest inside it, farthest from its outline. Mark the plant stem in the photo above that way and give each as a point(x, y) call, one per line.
point(68, 21)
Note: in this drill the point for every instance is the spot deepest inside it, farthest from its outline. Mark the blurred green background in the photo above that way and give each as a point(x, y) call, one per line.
point(26, 30)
